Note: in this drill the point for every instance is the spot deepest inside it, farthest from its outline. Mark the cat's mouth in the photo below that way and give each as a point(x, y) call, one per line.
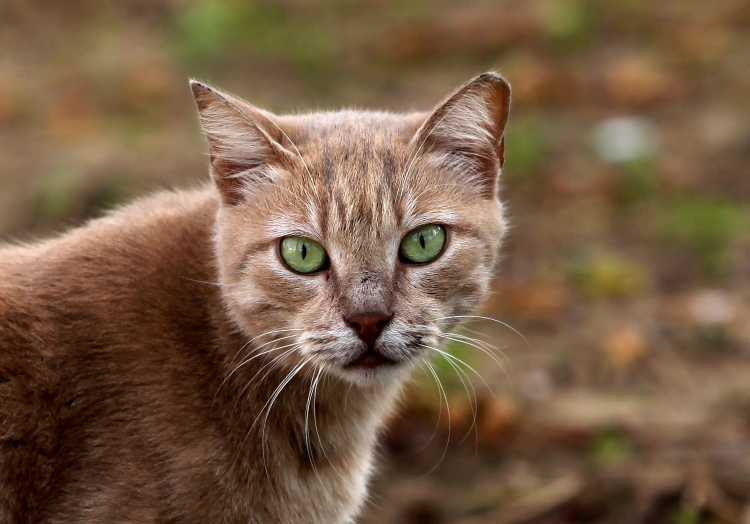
point(371, 360)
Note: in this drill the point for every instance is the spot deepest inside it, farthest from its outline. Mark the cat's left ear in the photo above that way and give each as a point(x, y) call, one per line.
point(465, 133)
point(245, 143)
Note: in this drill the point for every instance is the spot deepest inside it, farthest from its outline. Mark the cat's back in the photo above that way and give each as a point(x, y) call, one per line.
point(94, 271)
point(80, 316)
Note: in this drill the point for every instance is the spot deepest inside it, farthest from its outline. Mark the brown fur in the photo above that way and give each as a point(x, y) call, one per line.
point(122, 397)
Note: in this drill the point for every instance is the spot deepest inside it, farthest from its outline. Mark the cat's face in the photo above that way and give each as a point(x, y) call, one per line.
point(353, 241)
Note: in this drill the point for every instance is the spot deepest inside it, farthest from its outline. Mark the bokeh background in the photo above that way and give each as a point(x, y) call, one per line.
point(617, 387)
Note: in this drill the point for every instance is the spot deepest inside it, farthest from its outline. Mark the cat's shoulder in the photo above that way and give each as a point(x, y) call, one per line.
point(90, 263)
point(161, 215)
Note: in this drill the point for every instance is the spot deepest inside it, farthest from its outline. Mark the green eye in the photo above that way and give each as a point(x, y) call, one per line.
point(303, 255)
point(423, 244)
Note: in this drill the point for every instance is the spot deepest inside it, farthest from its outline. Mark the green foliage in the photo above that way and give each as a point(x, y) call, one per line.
point(64, 196)
point(638, 181)
point(607, 276)
point(227, 31)
point(135, 129)
point(56, 196)
point(687, 515)
point(108, 193)
point(569, 23)
point(411, 10)
point(611, 447)
point(445, 367)
point(210, 29)
point(525, 148)
point(703, 227)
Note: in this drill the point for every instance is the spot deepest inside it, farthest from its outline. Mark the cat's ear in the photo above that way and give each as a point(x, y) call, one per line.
point(243, 143)
point(465, 133)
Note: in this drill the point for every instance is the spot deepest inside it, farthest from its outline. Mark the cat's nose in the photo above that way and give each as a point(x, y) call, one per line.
point(368, 325)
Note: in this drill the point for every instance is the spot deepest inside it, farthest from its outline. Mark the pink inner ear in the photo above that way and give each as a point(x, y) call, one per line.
point(230, 177)
point(501, 151)
point(465, 133)
point(241, 151)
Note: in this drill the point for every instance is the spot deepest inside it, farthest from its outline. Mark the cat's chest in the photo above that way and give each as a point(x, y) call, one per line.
point(341, 492)
point(309, 463)
point(332, 491)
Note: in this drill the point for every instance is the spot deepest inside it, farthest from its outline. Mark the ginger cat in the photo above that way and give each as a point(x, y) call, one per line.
point(228, 354)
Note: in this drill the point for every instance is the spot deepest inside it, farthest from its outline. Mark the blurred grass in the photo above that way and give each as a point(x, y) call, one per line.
point(687, 515)
point(570, 24)
point(447, 368)
point(67, 197)
point(57, 195)
point(638, 181)
point(525, 149)
point(610, 448)
point(219, 31)
point(606, 275)
point(703, 228)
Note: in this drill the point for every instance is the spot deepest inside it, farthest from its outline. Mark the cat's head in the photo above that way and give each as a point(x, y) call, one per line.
point(352, 241)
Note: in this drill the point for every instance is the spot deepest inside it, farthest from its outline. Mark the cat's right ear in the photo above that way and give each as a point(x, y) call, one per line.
point(243, 150)
point(465, 133)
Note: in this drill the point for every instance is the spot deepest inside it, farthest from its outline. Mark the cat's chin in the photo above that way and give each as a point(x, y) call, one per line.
point(374, 368)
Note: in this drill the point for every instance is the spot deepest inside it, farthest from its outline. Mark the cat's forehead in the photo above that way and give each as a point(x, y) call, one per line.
point(331, 125)
point(353, 140)
point(356, 160)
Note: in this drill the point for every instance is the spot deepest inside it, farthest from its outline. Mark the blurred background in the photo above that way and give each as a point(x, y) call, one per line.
point(617, 387)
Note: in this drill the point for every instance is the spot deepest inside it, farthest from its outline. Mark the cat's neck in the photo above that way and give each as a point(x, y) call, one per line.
point(298, 414)
point(298, 435)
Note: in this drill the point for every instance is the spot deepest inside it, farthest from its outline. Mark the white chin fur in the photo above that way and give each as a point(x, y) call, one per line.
point(377, 375)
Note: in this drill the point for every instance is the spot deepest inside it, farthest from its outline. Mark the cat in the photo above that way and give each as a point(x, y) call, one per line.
point(228, 354)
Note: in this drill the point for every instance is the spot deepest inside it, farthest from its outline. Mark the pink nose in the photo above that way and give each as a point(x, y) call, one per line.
point(368, 326)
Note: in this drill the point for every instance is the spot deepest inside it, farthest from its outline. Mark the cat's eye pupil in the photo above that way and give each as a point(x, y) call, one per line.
point(304, 251)
point(421, 240)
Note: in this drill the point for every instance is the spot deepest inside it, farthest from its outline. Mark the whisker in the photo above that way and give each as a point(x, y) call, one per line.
point(472, 398)
point(279, 388)
point(437, 423)
point(219, 284)
point(456, 359)
point(274, 331)
point(487, 345)
point(477, 317)
point(246, 361)
point(275, 396)
point(469, 341)
point(309, 174)
point(273, 363)
point(483, 342)
point(250, 359)
point(448, 409)
point(247, 344)
point(454, 337)
point(283, 383)
point(277, 391)
point(477, 340)
point(310, 397)
point(255, 349)
point(304, 203)
point(322, 446)
point(435, 187)
point(271, 332)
